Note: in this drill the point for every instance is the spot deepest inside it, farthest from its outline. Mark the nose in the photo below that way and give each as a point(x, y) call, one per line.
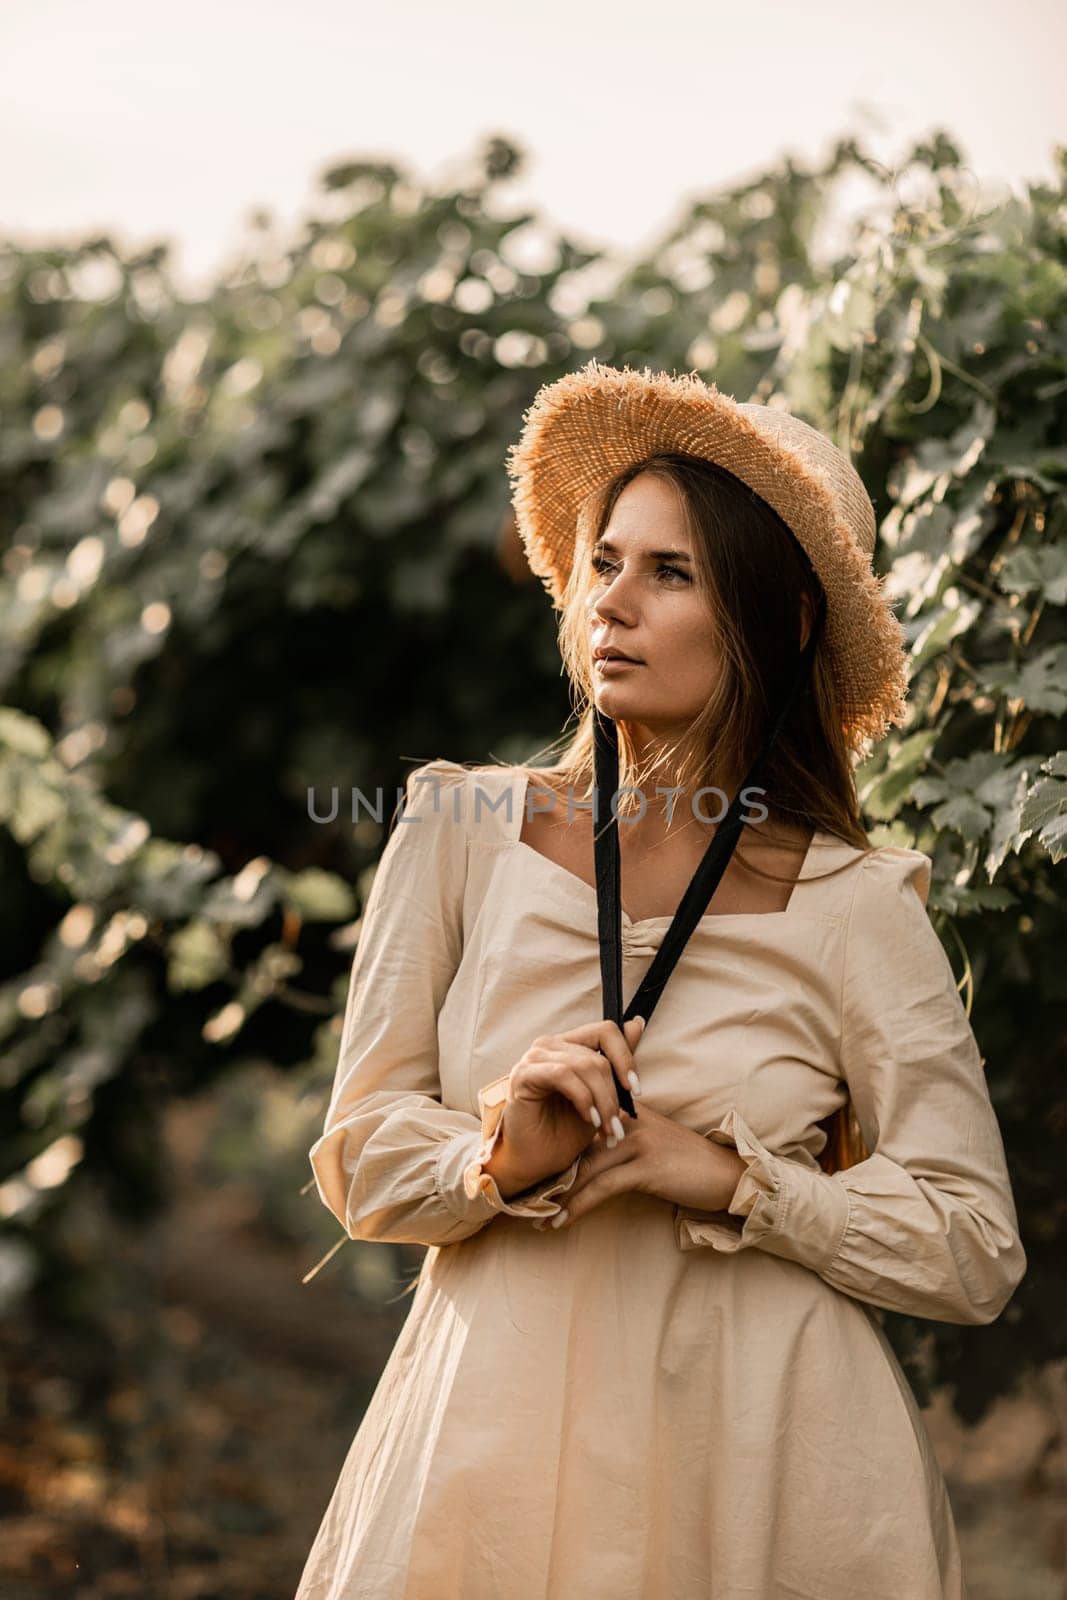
point(611, 599)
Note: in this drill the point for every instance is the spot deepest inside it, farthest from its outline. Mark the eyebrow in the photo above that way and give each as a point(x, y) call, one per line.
point(656, 555)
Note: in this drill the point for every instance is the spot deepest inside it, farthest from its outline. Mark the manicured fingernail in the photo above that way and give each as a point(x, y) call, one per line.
point(557, 1222)
point(635, 1083)
point(617, 1129)
point(610, 1143)
point(641, 1020)
point(594, 1116)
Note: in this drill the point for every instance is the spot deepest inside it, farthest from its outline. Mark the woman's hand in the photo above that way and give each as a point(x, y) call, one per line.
point(659, 1157)
point(560, 1096)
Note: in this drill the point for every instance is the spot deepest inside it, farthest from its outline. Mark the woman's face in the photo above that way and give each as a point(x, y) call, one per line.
point(644, 601)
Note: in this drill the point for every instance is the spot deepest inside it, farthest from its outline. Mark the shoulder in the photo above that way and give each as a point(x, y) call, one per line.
point(424, 785)
point(430, 817)
point(895, 959)
point(887, 917)
point(894, 871)
point(479, 799)
point(461, 771)
point(876, 873)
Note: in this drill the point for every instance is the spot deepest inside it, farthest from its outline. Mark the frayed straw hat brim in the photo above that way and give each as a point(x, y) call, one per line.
point(595, 422)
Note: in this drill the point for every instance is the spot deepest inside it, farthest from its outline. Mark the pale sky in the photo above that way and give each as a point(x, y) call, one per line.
point(176, 121)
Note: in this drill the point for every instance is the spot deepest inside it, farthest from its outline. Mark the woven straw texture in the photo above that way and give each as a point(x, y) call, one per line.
point(594, 422)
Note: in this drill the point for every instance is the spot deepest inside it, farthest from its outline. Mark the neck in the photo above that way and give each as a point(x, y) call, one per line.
point(680, 796)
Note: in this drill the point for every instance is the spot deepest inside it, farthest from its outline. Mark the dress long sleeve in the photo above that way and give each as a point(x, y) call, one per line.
point(393, 1163)
point(927, 1224)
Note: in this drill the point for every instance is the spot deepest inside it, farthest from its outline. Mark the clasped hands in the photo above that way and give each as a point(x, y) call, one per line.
point(657, 1156)
point(563, 1086)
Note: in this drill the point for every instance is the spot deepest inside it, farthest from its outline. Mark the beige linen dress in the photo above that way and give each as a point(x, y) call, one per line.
point(656, 1401)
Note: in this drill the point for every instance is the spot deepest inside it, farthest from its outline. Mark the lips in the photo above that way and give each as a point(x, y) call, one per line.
point(609, 653)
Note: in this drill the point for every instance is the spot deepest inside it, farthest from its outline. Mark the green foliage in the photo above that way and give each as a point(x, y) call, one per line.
point(260, 542)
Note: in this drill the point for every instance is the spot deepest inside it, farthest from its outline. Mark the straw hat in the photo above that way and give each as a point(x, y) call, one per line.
point(592, 423)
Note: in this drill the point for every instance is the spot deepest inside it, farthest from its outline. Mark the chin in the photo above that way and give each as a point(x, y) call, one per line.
point(615, 702)
point(609, 692)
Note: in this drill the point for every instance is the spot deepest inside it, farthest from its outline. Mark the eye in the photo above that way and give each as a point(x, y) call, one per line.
point(601, 564)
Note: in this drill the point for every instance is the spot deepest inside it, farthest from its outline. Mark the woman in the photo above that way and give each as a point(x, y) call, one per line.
point(643, 1357)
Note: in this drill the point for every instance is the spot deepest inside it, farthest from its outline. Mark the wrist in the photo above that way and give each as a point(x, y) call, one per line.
point(730, 1175)
point(510, 1177)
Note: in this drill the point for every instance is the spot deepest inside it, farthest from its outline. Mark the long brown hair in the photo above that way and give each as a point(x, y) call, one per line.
point(754, 573)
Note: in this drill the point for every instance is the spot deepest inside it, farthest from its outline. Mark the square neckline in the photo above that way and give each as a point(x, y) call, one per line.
point(522, 781)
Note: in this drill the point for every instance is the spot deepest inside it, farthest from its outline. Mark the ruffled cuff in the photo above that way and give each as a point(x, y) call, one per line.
point(789, 1209)
point(537, 1203)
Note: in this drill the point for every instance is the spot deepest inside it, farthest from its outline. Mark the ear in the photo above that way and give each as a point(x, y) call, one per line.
point(805, 617)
